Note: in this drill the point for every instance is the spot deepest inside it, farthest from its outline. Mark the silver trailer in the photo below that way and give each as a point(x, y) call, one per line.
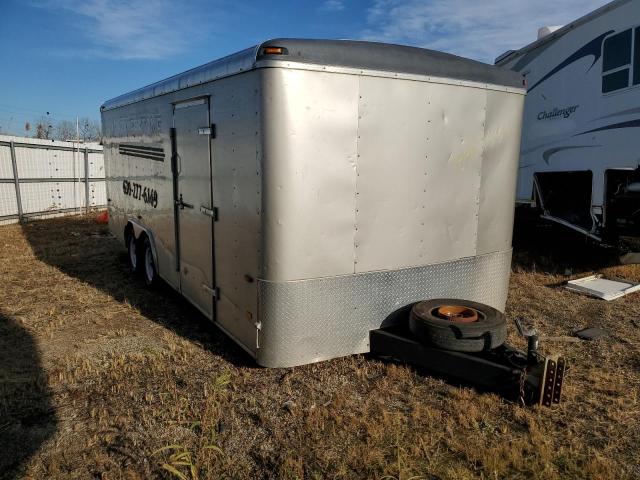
point(301, 191)
point(579, 162)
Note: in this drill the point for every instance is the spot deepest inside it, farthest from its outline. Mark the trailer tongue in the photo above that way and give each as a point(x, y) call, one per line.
point(529, 377)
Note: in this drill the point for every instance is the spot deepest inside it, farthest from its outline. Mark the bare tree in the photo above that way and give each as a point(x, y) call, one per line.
point(41, 131)
point(90, 130)
point(43, 128)
point(65, 130)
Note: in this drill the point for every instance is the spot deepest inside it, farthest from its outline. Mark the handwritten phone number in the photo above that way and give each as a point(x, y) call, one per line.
point(139, 192)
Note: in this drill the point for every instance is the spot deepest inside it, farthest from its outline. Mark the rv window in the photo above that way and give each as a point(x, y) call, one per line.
point(615, 81)
point(616, 62)
point(617, 51)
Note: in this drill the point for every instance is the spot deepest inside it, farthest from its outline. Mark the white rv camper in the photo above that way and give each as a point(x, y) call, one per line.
point(301, 191)
point(580, 154)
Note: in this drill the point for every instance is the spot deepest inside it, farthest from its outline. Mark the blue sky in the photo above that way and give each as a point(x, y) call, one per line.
point(66, 57)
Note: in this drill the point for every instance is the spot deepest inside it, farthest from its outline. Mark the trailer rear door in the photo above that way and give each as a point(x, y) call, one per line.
point(194, 222)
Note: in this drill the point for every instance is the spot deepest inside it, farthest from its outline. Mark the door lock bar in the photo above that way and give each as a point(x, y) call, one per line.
point(214, 292)
point(210, 212)
point(182, 204)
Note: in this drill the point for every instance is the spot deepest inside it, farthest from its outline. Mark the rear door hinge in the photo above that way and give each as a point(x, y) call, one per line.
point(214, 292)
point(210, 212)
point(210, 130)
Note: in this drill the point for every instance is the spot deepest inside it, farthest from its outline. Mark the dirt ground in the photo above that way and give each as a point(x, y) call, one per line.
point(102, 378)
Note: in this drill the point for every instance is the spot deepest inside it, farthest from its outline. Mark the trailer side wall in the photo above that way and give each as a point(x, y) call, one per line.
point(236, 171)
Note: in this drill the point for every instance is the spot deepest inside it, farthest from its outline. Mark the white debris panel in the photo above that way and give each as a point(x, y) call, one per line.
point(599, 287)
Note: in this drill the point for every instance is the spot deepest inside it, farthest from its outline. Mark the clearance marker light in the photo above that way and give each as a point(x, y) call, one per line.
point(273, 51)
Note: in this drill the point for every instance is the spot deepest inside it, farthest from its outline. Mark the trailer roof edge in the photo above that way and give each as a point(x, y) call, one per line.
point(343, 53)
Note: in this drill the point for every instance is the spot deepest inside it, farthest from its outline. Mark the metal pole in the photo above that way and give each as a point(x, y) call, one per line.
point(16, 179)
point(86, 178)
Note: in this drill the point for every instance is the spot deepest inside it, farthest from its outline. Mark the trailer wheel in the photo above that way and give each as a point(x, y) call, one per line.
point(133, 253)
point(149, 267)
point(459, 325)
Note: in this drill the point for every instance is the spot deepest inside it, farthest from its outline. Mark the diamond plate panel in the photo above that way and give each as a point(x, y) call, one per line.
point(307, 321)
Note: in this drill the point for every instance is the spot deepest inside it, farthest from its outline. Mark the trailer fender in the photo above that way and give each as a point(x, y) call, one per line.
point(138, 229)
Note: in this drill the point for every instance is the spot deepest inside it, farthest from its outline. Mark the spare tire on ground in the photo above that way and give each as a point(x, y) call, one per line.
point(459, 325)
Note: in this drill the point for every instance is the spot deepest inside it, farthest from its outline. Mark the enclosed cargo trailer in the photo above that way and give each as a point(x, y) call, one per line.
point(300, 192)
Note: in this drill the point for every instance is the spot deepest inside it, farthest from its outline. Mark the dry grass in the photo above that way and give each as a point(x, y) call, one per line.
point(101, 378)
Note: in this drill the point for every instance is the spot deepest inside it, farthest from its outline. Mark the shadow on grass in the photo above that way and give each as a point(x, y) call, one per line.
point(89, 253)
point(27, 416)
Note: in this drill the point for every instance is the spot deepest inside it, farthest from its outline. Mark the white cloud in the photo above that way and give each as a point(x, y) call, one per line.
point(150, 29)
point(332, 5)
point(479, 29)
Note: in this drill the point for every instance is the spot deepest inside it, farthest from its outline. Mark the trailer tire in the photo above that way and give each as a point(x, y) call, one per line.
point(486, 331)
point(133, 252)
point(149, 271)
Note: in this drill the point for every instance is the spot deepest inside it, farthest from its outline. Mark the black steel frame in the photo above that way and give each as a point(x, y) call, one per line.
point(524, 376)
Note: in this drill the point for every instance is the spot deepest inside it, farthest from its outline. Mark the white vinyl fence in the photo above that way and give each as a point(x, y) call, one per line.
point(40, 178)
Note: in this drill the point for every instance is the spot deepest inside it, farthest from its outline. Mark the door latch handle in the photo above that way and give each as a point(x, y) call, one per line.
point(181, 203)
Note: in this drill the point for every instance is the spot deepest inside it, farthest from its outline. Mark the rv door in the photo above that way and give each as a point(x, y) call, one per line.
point(192, 177)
